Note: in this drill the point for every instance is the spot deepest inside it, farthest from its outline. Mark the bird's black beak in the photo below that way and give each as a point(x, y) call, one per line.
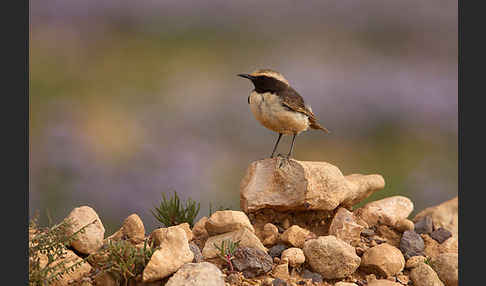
point(250, 77)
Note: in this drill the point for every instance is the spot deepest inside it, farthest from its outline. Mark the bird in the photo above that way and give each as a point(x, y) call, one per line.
point(278, 107)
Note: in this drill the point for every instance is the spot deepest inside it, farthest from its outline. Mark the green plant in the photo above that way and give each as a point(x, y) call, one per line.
point(171, 212)
point(227, 250)
point(47, 247)
point(123, 260)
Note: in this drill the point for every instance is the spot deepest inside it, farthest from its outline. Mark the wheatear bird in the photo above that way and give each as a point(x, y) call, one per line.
point(277, 106)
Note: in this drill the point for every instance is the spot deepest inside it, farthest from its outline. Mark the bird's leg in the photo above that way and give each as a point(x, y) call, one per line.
point(291, 146)
point(276, 144)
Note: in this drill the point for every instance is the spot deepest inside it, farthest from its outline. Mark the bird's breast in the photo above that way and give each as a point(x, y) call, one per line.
point(269, 111)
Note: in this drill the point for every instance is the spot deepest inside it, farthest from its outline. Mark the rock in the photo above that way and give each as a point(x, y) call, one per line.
point(281, 271)
point(424, 275)
point(302, 185)
point(367, 232)
point(276, 250)
point(414, 261)
point(316, 277)
point(187, 228)
point(446, 267)
point(411, 244)
point(197, 274)
point(295, 256)
point(331, 257)
point(449, 246)
point(384, 260)
point(404, 224)
point(105, 279)
point(443, 215)
point(424, 225)
point(227, 221)
point(440, 235)
point(251, 261)
point(197, 253)
point(432, 247)
point(388, 234)
point(345, 227)
point(279, 282)
point(91, 239)
point(159, 234)
point(132, 229)
point(199, 229)
point(270, 234)
point(173, 253)
point(345, 284)
point(245, 236)
point(387, 211)
point(296, 236)
point(70, 259)
point(383, 282)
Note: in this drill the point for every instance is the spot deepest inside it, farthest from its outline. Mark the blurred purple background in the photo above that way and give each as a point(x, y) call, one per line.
point(132, 99)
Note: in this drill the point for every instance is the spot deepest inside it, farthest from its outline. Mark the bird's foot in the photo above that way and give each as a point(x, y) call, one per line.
point(285, 160)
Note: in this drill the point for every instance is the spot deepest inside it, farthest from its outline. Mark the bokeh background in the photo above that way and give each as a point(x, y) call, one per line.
point(131, 99)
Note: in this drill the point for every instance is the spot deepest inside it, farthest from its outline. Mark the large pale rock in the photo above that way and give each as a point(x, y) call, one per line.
point(296, 236)
point(173, 253)
point(199, 229)
point(388, 211)
point(424, 275)
point(132, 229)
point(245, 236)
point(70, 259)
point(295, 256)
point(443, 215)
point(91, 239)
point(331, 257)
point(227, 221)
point(270, 234)
point(345, 227)
point(383, 259)
point(302, 185)
point(197, 274)
point(158, 235)
point(446, 267)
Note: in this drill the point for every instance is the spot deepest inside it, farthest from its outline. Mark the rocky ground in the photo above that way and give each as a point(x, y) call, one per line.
point(297, 227)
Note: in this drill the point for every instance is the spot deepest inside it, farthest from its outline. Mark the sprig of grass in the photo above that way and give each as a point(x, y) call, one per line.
point(171, 212)
point(124, 261)
point(227, 250)
point(49, 245)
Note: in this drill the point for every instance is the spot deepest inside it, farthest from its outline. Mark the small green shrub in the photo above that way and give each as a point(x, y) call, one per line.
point(227, 250)
point(171, 212)
point(124, 261)
point(49, 245)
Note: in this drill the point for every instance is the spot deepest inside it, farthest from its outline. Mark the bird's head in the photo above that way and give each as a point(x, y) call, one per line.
point(267, 80)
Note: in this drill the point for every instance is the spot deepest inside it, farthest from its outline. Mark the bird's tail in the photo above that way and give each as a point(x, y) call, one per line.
point(316, 125)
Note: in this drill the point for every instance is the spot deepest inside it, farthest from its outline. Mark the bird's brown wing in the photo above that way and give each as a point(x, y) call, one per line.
point(292, 100)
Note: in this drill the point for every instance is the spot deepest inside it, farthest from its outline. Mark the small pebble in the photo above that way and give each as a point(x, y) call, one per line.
point(441, 235)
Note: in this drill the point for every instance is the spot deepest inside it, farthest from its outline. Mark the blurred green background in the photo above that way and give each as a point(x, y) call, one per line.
point(132, 99)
